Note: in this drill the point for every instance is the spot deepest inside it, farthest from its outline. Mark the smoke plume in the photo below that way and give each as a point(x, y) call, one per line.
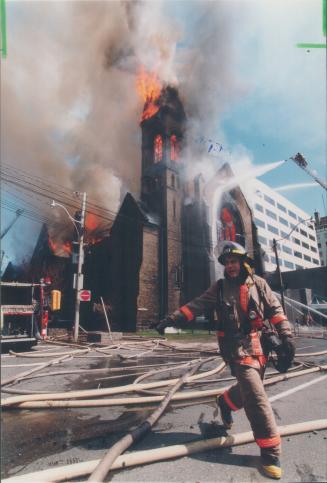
point(71, 110)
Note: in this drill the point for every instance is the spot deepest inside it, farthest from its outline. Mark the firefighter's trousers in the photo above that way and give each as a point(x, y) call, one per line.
point(249, 392)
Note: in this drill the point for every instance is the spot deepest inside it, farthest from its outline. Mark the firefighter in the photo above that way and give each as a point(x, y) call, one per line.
point(243, 301)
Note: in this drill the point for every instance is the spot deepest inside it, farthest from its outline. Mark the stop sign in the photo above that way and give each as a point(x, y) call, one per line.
point(85, 295)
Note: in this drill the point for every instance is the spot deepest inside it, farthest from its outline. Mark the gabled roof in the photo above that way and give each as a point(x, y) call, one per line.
point(131, 207)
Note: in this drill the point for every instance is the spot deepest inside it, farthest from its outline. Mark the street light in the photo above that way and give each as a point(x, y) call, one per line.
point(274, 245)
point(73, 220)
point(79, 275)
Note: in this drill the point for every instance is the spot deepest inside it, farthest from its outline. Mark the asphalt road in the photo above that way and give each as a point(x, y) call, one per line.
point(38, 439)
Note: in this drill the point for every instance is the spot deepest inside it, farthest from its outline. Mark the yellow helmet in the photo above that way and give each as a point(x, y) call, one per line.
point(233, 248)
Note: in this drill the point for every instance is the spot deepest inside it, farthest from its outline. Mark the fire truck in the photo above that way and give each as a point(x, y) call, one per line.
point(25, 309)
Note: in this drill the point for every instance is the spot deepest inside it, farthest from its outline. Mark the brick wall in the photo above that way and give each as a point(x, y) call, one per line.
point(174, 245)
point(149, 280)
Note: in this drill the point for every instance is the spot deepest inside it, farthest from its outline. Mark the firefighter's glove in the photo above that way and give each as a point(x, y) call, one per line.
point(285, 354)
point(162, 325)
point(288, 347)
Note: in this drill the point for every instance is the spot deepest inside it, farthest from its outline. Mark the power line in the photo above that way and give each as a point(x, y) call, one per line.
point(107, 215)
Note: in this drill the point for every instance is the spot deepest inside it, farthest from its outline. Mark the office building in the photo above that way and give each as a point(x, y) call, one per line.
point(276, 217)
point(321, 231)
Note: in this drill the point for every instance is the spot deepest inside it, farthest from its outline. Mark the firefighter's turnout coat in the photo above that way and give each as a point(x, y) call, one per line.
point(241, 310)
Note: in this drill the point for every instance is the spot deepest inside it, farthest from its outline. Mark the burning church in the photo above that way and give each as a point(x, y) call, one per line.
point(160, 250)
point(159, 253)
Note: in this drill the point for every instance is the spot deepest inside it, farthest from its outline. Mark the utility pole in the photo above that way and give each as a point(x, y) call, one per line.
point(279, 275)
point(18, 213)
point(79, 274)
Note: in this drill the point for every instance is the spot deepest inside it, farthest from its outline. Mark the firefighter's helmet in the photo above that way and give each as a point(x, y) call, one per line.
point(233, 248)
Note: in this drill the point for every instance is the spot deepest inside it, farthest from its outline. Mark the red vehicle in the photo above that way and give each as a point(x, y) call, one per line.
point(25, 311)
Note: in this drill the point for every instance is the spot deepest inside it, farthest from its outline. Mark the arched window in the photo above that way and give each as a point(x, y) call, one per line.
point(230, 224)
point(157, 149)
point(174, 148)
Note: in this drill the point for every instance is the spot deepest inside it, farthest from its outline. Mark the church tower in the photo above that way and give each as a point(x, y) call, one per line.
point(162, 190)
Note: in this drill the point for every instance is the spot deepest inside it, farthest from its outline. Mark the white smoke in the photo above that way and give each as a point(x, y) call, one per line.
point(71, 111)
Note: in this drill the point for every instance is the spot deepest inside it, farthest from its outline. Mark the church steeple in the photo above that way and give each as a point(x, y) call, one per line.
point(162, 137)
point(162, 191)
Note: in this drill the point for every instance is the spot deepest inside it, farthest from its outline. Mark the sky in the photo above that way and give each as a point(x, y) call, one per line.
point(70, 111)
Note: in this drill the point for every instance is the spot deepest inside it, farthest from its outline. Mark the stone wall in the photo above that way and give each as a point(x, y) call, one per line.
point(148, 299)
point(174, 241)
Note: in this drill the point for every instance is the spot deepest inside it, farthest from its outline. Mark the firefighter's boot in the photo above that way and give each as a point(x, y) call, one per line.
point(225, 412)
point(271, 466)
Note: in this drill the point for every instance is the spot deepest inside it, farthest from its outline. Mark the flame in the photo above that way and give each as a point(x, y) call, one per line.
point(149, 88)
point(60, 249)
point(93, 228)
point(52, 245)
point(67, 247)
point(91, 222)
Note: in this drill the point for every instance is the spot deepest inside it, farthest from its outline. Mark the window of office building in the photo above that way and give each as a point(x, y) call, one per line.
point(270, 200)
point(273, 229)
point(273, 259)
point(284, 234)
point(283, 221)
point(281, 207)
point(296, 240)
point(262, 240)
point(312, 238)
point(298, 267)
point(304, 233)
point(271, 214)
point(297, 254)
point(313, 249)
point(259, 223)
point(305, 245)
point(258, 207)
point(292, 214)
point(315, 261)
point(308, 259)
point(289, 264)
point(287, 249)
point(300, 219)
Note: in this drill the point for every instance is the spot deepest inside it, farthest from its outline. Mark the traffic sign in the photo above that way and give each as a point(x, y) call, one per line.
point(85, 295)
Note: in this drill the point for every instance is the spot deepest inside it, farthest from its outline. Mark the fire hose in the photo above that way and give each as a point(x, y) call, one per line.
point(22, 375)
point(66, 473)
point(56, 400)
point(50, 354)
point(136, 434)
point(101, 392)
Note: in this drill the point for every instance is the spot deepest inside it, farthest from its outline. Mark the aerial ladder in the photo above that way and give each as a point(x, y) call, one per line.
point(300, 160)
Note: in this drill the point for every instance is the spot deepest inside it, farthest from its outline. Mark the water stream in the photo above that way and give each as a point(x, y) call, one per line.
point(227, 185)
point(306, 307)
